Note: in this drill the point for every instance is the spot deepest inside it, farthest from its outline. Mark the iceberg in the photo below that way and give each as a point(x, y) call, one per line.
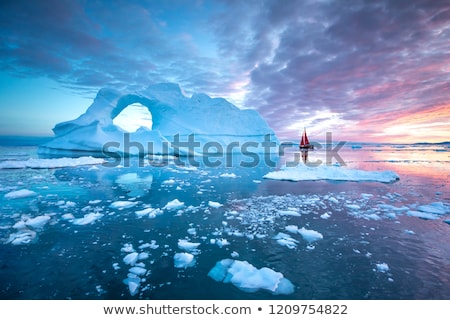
point(303, 172)
point(175, 118)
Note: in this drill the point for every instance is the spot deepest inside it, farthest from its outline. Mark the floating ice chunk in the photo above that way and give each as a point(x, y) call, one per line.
point(422, 215)
point(228, 175)
point(292, 228)
point(116, 266)
point(289, 213)
point(310, 235)
point(168, 182)
point(68, 216)
point(247, 278)
point(150, 212)
point(353, 206)
point(139, 271)
point(435, 208)
point(382, 267)
point(222, 242)
point(174, 205)
point(95, 201)
point(50, 163)
point(286, 240)
point(333, 199)
point(214, 204)
point(23, 193)
point(409, 232)
point(133, 285)
point(183, 260)
point(303, 172)
point(23, 236)
point(151, 245)
point(186, 245)
point(234, 254)
point(131, 258)
point(87, 219)
point(37, 222)
point(192, 231)
point(325, 216)
point(127, 247)
point(143, 256)
point(120, 205)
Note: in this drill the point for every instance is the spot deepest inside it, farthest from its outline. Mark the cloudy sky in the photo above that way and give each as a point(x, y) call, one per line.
point(364, 70)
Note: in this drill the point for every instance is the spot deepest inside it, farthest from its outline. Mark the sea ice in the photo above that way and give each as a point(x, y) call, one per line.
point(435, 208)
point(88, 218)
point(37, 222)
point(228, 175)
point(23, 236)
point(139, 271)
point(50, 163)
point(120, 205)
point(422, 215)
point(286, 240)
point(183, 260)
point(186, 245)
point(174, 205)
point(131, 258)
point(133, 285)
point(247, 278)
point(303, 172)
point(310, 235)
point(382, 267)
point(214, 204)
point(23, 193)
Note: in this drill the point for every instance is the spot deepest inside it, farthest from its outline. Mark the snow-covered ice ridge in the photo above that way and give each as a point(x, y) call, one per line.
point(303, 172)
point(173, 114)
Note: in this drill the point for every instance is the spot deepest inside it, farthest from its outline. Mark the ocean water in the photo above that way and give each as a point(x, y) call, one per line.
point(66, 233)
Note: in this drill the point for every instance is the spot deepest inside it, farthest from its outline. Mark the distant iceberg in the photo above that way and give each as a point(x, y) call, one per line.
point(175, 118)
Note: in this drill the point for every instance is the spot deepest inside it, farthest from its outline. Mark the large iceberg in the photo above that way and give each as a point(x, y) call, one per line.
point(179, 122)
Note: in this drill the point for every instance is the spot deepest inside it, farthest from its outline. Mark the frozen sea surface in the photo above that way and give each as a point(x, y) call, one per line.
point(184, 232)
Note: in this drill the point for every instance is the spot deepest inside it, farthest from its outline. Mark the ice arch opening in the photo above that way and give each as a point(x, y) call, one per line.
point(133, 117)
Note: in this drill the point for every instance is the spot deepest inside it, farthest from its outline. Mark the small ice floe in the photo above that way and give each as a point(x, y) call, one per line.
point(248, 278)
point(188, 246)
point(234, 254)
point(228, 175)
point(151, 245)
point(286, 240)
point(23, 236)
point(409, 231)
point(133, 283)
point(23, 193)
point(326, 215)
point(120, 205)
point(220, 242)
point(127, 247)
point(422, 215)
point(37, 222)
point(214, 204)
point(435, 208)
point(131, 258)
point(68, 216)
point(289, 213)
point(139, 271)
point(183, 260)
point(174, 205)
point(168, 182)
point(150, 212)
point(310, 235)
point(95, 201)
point(382, 267)
point(88, 218)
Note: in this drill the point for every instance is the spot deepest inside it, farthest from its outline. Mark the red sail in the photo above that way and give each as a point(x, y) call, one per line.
point(302, 143)
point(306, 139)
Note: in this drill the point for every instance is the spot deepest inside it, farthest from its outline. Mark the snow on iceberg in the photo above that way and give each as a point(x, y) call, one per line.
point(174, 116)
point(51, 163)
point(303, 172)
point(248, 278)
point(87, 219)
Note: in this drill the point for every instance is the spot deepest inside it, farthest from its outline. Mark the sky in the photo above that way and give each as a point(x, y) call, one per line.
point(367, 71)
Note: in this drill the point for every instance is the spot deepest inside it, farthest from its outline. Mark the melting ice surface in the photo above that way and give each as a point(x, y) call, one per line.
point(230, 232)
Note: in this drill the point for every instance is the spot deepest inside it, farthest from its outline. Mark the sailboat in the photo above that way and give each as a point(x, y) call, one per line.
point(304, 142)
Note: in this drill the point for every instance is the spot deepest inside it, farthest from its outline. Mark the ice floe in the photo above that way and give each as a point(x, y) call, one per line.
point(88, 218)
point(120, 205)
point(51, 163)
point(188, 246)
point(214, 204)
point(304, 172)
point(248, 278)
point(23, 193)
point(183, 260)
point(174, 205)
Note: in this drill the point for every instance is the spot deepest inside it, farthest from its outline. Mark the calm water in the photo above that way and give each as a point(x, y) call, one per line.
point(366, 225)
